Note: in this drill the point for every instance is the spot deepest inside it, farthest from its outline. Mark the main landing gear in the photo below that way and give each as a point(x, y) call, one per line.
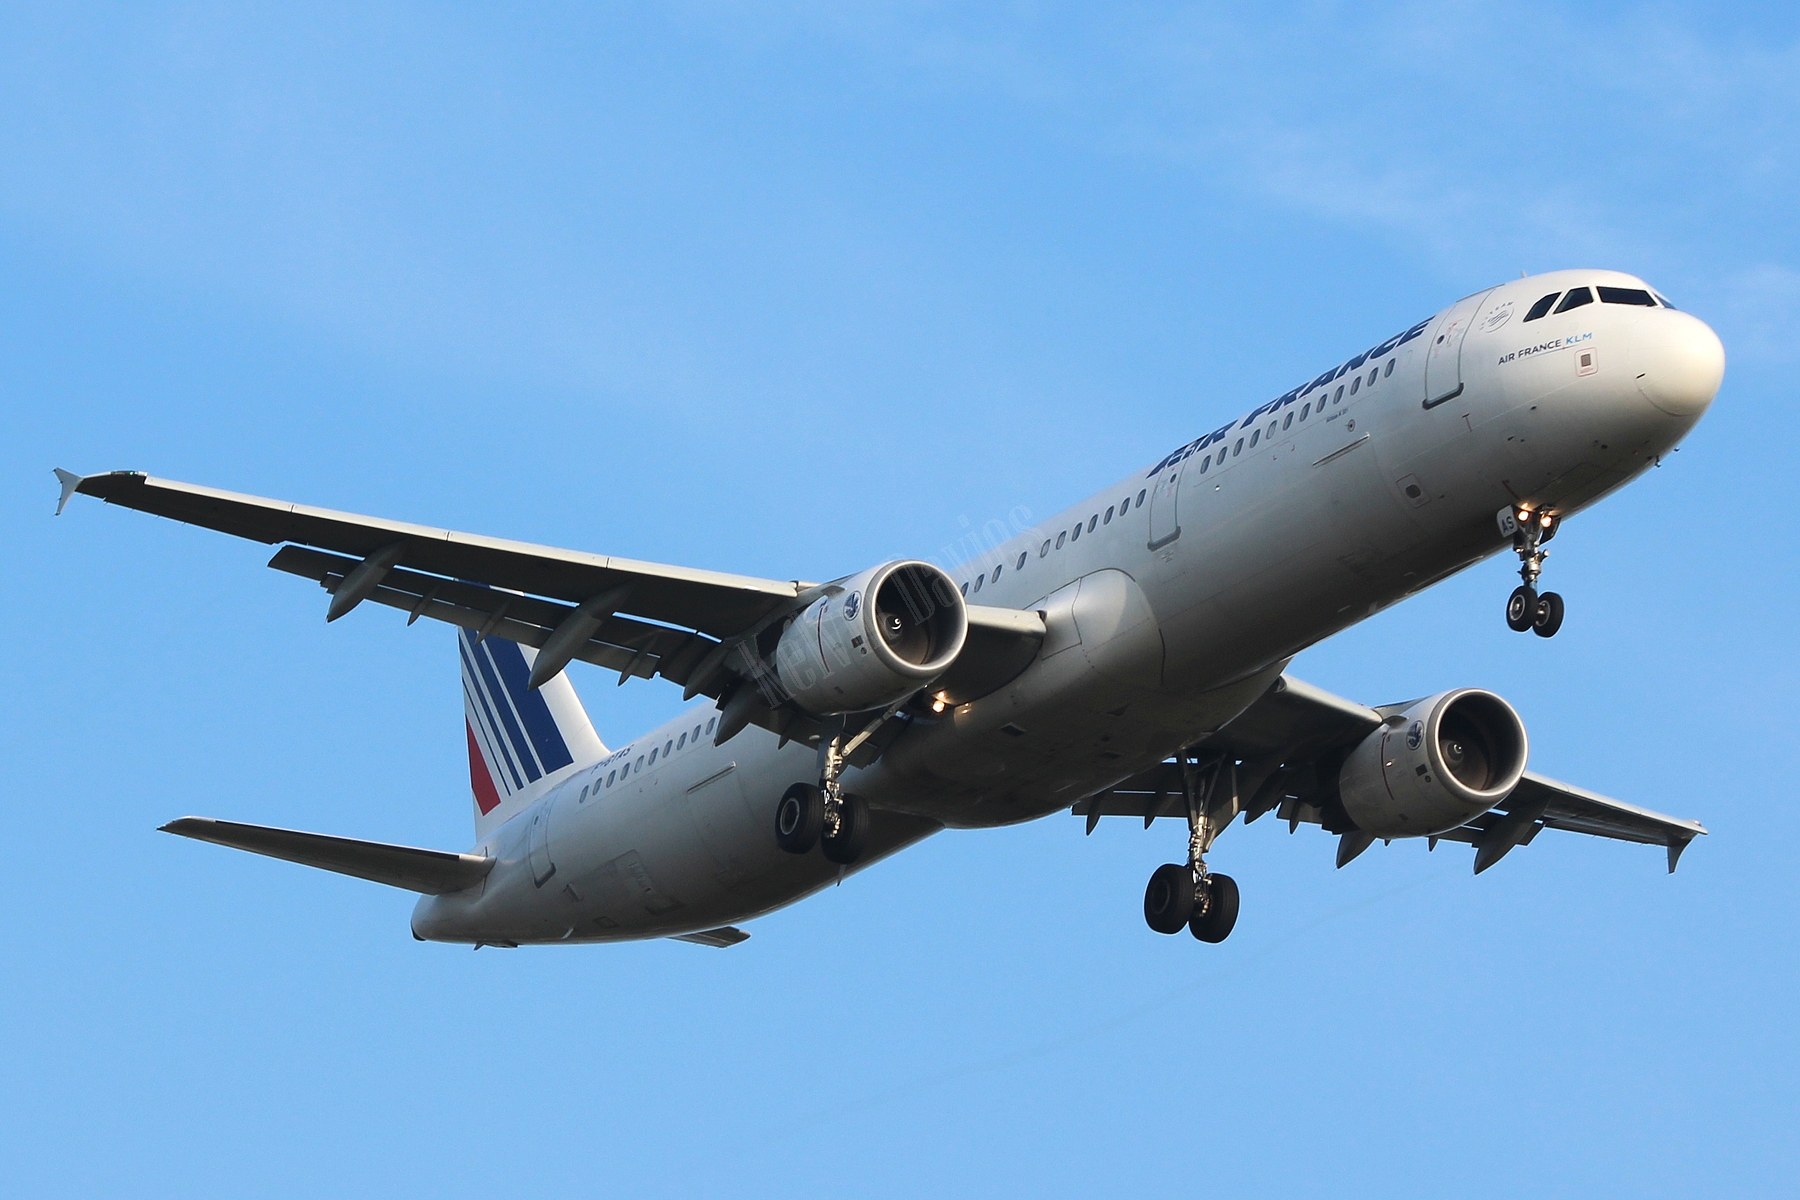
point(1526, 608)
point(1191, 895)
point(826, 816)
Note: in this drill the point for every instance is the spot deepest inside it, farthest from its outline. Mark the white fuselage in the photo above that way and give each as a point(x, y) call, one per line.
point(1188, 588)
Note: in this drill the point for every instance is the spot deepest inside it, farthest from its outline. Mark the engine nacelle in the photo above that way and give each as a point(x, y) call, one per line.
point(891, 630)
point(1444, 760)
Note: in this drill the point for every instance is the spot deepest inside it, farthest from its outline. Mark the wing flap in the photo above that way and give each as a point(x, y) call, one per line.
point(622, 644)
point(433, 872)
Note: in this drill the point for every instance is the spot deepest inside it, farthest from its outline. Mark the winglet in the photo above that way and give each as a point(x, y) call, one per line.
point(70, 481)
point(1676, 846)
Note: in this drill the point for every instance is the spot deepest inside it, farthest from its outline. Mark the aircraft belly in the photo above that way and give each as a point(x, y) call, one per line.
point(688, 849)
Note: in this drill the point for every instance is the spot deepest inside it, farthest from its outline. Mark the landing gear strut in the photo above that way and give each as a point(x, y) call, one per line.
point(827, 816)
point(1526, 608)
point(1192, 895)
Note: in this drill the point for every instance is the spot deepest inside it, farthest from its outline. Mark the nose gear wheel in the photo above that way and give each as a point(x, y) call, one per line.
point(1521, 606)
point(1547, 615)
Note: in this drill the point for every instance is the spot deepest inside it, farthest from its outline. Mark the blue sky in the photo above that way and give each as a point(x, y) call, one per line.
point(786, 290)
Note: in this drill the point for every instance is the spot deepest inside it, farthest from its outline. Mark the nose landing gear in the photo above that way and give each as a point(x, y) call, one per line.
point(1190, 894)
point(1526, 608)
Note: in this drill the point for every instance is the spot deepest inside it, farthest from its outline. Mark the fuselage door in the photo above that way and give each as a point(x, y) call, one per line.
point(537, 841)
point(1443, 360)
point(1165, 522)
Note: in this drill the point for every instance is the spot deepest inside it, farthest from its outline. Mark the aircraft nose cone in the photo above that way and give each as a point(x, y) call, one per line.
point(1679, 362)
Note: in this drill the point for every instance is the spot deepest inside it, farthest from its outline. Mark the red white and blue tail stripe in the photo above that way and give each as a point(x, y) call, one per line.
point(521, 742)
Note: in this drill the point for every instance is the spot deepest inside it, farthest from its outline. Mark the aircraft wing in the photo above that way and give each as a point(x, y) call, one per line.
point(636, 618)
point(1282, 754)
point(710, 602)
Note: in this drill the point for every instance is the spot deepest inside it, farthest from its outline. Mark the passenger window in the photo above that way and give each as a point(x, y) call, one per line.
point(1613, 295)
point(1020, 565)
point(1124, 506)
point(979, 580)
point(1238, 449)
point(1255, 436)
point(1288, 422)
point(1093, 521)
point(965, 589)
point(1338, 399)
point(1542, 306)
point(610, 776)
point(1044, 549)
point(1060, 539)
point(995, 578)
point(711, 723)
point(1355, 384)
point(680, 742)
point(1076, 535)
point(1107, 520)
point(1372, 375)
point(696, 733)
point(1304, 409)
point(583, 797)
point(1142, 492)
point(653, 758)
point(1205, 463)
point(1575, 299)
point(1388, 370)
point(639, 764)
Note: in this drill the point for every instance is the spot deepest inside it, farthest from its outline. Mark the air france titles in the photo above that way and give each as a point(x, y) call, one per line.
point(1545, 347)
point(1293, 397)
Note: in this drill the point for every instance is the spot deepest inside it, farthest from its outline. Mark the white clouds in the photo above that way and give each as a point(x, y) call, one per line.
point(1524, 133)
point(568, 197)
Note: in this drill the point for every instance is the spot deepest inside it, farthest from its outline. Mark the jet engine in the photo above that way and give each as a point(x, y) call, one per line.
point(880, 636)
point(1442, 761)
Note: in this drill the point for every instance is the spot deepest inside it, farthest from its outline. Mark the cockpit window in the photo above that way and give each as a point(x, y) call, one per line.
point(1613, 295)
point(1665, 301)
point(1542, 306)
point(1575, 299)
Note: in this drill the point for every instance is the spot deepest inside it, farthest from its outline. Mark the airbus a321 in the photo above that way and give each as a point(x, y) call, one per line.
point(1126, 658)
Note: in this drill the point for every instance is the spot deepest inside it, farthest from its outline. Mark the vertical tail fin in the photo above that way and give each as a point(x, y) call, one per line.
point(521, 742)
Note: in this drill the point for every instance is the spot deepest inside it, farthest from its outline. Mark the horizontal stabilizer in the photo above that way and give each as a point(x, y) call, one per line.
point(431, 871)
point(725, 935)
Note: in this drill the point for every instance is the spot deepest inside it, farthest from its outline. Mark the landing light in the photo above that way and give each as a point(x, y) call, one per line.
point(939, 702)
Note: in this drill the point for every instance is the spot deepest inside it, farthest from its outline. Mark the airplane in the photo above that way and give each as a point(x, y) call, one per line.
point(1125, 658)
